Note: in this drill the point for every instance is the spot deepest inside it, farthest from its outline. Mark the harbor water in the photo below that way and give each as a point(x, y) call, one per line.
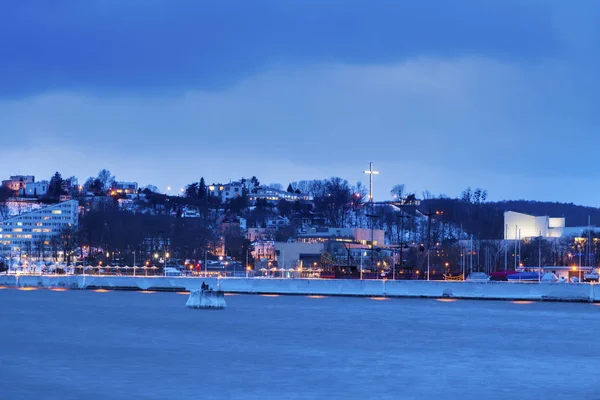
point(74, 344)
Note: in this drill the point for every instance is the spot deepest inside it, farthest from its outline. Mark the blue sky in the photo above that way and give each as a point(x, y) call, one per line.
point(440, 95)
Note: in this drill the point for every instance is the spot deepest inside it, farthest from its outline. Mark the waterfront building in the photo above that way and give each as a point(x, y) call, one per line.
point(33, 232)
point(525, 226)
point(290, 254)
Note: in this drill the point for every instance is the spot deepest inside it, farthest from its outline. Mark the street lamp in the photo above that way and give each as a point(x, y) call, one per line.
point(361, 263)
point(165, 263)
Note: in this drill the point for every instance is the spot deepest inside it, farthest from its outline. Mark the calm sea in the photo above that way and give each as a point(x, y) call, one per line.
point(135, 345)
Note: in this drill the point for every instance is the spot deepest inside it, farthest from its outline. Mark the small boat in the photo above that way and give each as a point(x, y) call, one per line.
point(524, 276)
point(549, 277)
point(478, 277)
point(591, 277)
point(501, 275)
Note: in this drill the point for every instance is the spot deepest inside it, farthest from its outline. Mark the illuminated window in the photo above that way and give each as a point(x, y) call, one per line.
point(27, 236)
point(36, 230)
point(38, 224)
point(46, 230)
point(56, 211)
point(47, 218)
point(19, 223)
point(17, 230)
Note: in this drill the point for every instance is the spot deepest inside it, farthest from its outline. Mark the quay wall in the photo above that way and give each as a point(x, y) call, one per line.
point(583, 292)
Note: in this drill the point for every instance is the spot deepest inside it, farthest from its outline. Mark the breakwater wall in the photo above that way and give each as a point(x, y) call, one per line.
point(582, 292)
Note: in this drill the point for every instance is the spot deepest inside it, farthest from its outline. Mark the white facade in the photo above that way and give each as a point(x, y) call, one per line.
point(34, 189)
point(274, 195)
point(263, 250)
point(288, 254)
point(36, 228)
point(518, 225)
point(226, 191)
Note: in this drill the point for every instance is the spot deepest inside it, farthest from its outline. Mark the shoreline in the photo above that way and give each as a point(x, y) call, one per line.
point(464, 290)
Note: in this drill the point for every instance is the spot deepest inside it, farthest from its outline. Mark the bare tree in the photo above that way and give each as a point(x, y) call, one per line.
point(40, 247)
point(68, 242)
point(398, 191)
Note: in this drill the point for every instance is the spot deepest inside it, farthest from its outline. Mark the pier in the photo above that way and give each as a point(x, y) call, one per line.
point(568, 292)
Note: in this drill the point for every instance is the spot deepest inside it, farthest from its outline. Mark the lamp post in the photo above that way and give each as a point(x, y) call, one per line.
point(361, 263)
point(205, 259)
point(247, 266)
point(165, 264)
point(394, 268)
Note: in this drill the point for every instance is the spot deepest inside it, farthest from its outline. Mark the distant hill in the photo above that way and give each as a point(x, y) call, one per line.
point(486, 220)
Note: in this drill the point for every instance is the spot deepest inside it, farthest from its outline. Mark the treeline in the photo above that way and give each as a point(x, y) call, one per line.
point(124, 234)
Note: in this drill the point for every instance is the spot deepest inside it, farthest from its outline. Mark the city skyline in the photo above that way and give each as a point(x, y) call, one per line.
point(439, 96)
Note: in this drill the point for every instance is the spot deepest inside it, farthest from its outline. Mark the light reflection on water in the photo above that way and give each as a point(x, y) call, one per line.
point(446, 300)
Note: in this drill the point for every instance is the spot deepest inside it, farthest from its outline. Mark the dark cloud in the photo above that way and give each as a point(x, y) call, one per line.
point(167, 46)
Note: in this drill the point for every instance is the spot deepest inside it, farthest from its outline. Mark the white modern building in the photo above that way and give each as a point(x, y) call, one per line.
point(289, 254)
point(519, 225)
point(33, 231)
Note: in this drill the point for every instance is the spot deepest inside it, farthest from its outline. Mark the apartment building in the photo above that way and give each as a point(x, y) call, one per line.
point(35, 229)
